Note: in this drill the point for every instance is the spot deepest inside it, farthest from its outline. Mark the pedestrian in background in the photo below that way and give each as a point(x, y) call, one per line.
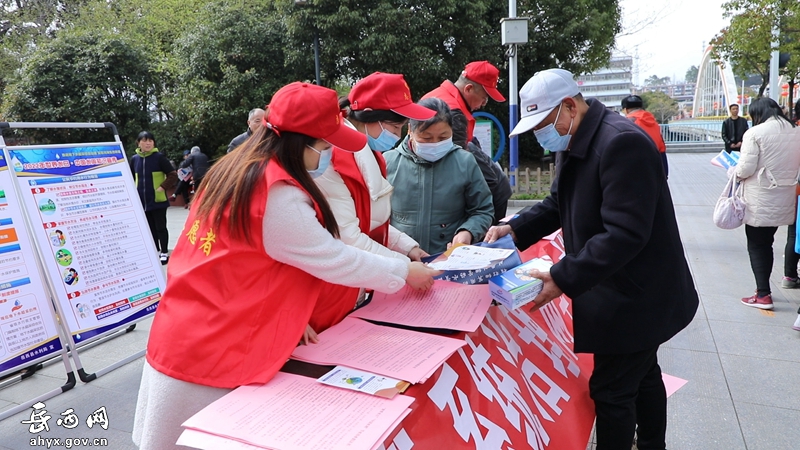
point(733, 129)
point(768, 169)
point(624, 268)
point(254, 118)
point(633, 108)
point(198, 161)
point(184, 177)
point(154, 175)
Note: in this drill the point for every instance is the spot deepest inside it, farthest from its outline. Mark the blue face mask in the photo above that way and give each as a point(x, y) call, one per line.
point(550, 139)
point(433, 152)
point(324, 162)
point(385, 141)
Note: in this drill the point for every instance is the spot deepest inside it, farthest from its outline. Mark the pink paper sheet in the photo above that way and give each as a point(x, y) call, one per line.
point(402, 354)
point(293, 412)
point(205, 441)
point(386, 434)
point(672, 384)
point(449, 305)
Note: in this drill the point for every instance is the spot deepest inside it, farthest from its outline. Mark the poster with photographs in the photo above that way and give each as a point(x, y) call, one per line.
point(89, 225)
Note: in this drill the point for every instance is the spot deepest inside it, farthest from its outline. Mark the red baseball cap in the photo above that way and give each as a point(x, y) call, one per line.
point(485, 74)
point(314, 111)
point(387, 91)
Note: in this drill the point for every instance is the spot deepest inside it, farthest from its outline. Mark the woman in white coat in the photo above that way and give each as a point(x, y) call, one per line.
point(355, 184)
point(768, 168)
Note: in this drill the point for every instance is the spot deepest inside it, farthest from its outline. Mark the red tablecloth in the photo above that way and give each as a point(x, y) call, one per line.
point(516, 385)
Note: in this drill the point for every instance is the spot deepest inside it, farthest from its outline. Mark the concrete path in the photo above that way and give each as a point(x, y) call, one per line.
point(743, 365)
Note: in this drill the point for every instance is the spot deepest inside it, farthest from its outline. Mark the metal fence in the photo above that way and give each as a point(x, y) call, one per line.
point(693, 131)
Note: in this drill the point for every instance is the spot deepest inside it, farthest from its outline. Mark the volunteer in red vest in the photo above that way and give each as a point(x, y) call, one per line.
point(258, 251)
point(471, 92)
point(633, 108)
point(355, 184)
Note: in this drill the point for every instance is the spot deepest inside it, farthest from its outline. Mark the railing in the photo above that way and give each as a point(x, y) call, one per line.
point(532, 181)
point(692, 131)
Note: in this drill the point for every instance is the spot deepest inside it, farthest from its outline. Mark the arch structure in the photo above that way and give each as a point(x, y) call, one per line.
point(715, 88)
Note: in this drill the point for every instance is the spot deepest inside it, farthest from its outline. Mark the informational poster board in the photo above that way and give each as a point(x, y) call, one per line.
point(28, 330)
point(483, 132)
point(96, 245)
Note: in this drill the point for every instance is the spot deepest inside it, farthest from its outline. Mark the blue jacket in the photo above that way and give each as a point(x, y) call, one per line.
point(151, 170)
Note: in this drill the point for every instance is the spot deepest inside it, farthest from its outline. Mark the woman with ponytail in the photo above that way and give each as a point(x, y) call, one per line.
point(258, 253)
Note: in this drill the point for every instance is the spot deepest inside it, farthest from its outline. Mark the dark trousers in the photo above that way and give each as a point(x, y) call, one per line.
point(759, 247)
point(157, 220)
point(182, 189)
point(790, 258)
point(628, 391)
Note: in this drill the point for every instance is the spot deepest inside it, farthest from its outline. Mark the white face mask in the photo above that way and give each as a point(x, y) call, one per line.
point(550, 139)
point(434, 151)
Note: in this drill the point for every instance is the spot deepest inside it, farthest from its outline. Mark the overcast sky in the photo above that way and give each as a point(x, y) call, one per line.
point(675, 40)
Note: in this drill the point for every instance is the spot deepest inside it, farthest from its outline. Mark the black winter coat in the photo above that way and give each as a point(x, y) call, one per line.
point(624, 268)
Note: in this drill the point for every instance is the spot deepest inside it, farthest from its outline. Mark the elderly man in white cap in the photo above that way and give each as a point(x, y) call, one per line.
point(624, 268)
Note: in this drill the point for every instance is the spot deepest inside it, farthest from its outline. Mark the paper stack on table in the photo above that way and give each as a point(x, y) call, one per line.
point(393, 352)
point(449, 305)
point(470, 257)
point(293, 412)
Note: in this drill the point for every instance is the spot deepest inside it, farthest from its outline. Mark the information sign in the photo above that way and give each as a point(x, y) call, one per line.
point(88, 223)
point(27, 327)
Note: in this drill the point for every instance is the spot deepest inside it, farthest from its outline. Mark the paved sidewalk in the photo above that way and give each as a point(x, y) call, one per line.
point(743, 365)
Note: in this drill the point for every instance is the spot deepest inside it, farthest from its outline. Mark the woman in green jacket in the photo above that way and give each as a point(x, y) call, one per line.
point(440, 196)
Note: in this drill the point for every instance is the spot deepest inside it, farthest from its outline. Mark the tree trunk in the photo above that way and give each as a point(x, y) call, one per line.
point(764, 83)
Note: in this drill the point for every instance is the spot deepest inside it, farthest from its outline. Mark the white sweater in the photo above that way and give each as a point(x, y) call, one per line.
point(344, 208)
point(292, 235)
point(769, 162)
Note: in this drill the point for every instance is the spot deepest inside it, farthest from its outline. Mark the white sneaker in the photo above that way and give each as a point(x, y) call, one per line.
point(796, 325)
point(164, 258)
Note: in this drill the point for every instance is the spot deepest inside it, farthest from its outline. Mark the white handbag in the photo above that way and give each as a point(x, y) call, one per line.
point(729, 210)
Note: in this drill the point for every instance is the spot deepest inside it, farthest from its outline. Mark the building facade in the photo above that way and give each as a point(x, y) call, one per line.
point(611, 84)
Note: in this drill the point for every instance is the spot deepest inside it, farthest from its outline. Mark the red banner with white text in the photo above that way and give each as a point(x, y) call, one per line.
point(516, 384)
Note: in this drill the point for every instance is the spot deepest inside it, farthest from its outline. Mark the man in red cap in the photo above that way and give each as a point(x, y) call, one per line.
point(476, 84)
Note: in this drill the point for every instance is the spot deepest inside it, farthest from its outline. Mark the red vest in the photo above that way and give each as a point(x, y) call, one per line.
point(646, 121)
point(345, 165)
point(231, 315)
point(452, 96)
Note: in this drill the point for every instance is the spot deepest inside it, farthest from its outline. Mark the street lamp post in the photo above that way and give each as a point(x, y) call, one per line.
point(316, 45)
point(513, 32)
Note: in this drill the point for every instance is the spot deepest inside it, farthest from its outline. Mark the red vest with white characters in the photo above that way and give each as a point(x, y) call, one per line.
point(231, 315)
point(449, 93)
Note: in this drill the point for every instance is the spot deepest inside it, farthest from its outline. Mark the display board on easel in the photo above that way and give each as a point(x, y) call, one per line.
point(87, 220)
point(28, 332)
point(89, 233)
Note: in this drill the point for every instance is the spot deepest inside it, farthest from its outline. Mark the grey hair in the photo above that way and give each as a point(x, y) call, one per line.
point(443, 114)
point(195, 149)
point(253, 112)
